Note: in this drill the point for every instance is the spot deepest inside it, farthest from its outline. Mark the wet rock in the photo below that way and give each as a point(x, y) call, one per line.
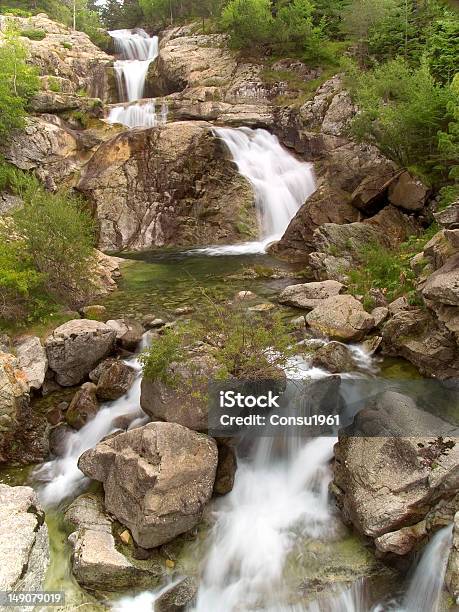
point(452, 572)
point(386, 483)
point(128, 333)
point(178, 598)
point(96, 563)
point(184, 402)
point(157, 479)
point(341, 317)
point(418, 337)
point(24, 547)
point(335, 357)
point(226, 468)
point(75, 348)
point(115, 381)
point(408, 192)
point(401, 542)
point(168, 185)
point(32, 360)
point(83, 407)
point(58, 439)
point(371, 345)
point(310, 295)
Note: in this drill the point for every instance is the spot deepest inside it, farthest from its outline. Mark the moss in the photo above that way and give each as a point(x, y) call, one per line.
point(33, 34)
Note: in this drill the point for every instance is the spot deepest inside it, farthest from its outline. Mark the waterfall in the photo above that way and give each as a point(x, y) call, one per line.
point(281, 184)
point(427, 583)
point(60, 478)
point(138, 51)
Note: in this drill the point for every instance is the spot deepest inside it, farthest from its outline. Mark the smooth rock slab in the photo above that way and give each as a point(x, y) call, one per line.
point(341, 317)
point(24, 547)
point(76, 347)
point(157, 479)
point(310, 295)
point(32, 359)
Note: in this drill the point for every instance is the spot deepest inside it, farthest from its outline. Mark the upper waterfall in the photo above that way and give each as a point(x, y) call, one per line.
point(138, 50)
point(281, 184)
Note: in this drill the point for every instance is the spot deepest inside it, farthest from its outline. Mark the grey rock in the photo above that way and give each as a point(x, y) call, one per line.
point(115, 381)
point(178, 598)
point(443, 285)
point(76, 347)
point(309, 295)
point(335, 357)
point(32, 360)
point(380, 314)
point(408, 192)
point(128, 333)
point(83, 407)
point(157, 479)
point(341, 317)
point(449, 217)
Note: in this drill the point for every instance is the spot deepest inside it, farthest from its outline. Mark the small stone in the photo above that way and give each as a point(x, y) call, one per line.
point(170, 564)
point(155, 323)
point(125, 537)
point(266, 307)
point(244, 295)
point(184, 310)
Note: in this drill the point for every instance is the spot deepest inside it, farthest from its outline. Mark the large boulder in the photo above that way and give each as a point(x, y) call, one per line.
point(309, 295)
point(335, 357)
point(115, 381)
point(24, 546)
point(178, 598)
point(408, 192)
point(443, 285)
point(341, 317)
point(96, 563)
point(128, 333)
point(75, 348)
point(157, 479)
point(184, 402)
point(385, 483)
point(170, 185)
point(420, 338)
point(83, 407)
point(449, 216)
point(32, 360)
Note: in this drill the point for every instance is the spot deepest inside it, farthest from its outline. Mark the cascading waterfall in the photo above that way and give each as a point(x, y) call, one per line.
point(61, 477)
point(138, 51)
point(281, 184)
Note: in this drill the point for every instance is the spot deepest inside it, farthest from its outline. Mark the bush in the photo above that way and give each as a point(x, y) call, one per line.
point(67, 45)
point(18, 83)
point(249, 22)
point(15, 12)
point(54, 84)
point(59, 234)
point(167, 349)
point(33, 34)
point(407, 115)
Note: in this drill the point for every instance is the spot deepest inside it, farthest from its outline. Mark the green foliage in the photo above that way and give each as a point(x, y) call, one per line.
point(54, 84)
point(178, 10)
point(388, 270)
point(18, 83)
point(249, 22)
point(448, 195)
point(67, 45)
point(33, 34)
point(14, 12)
point(60, 238)
point(407, 115)
point(167, 349)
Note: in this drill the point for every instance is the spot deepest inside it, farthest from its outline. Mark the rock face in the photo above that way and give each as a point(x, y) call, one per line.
point(385, 484)
point(67, 59)
point(96, 563)
point(157, 479)
point(24, 547)
point(309, 295)
point(341, 317)
point(32, 360)
point(76, 347)
point(163, 186)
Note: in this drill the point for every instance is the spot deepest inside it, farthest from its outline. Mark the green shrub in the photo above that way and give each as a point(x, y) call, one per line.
point(18, 83)
point(54, 84)
point(33, 34)
point(156, 360)
point(15, 12)
point(67, 45)
point(249, 22)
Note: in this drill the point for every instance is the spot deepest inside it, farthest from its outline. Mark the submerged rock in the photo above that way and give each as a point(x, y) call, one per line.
point(24, 546)
point(157, 479)
point(76, 347)
point(341, 317)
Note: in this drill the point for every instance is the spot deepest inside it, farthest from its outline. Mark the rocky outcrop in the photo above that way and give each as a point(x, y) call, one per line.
point(341, 317)
point(67, 59)
point(75, 348)
point(157, 479)
point(96, 563)
point(309, 295)
point(384, 484)
point(168, 185)
point(24, 547)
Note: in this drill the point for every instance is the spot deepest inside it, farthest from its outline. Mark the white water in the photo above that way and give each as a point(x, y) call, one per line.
point(281, 184)
point(61, 476)
point(426, 586)
point(138, 51)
